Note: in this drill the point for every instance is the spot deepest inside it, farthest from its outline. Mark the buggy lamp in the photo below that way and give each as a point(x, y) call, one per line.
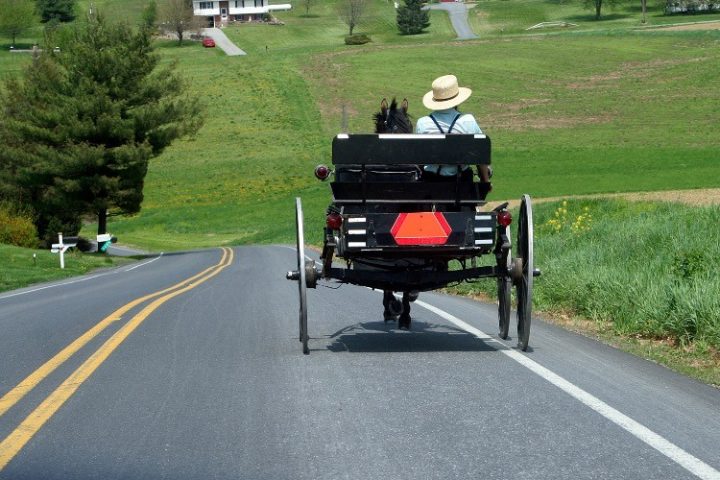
point(322, 172)
point(504, 218)
point(334, 221)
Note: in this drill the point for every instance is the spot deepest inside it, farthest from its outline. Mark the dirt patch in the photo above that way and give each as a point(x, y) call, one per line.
point(703, 197)
point(689, 26)
point(636, 70)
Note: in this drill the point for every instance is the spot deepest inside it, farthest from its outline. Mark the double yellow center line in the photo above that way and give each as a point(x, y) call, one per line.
point(14, 442)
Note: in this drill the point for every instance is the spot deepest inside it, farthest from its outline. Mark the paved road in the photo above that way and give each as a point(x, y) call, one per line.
point(211, 383)
point(458, 13)
point(223, 42)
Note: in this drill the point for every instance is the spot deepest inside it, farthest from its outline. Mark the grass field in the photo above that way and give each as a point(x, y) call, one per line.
point(638, 114)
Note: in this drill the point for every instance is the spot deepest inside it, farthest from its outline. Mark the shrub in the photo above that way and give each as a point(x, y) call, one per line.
point(357, 39)
point(17, 228)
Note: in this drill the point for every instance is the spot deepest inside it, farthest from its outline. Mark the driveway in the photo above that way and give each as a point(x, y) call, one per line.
point(458, 17)
point(222, 41)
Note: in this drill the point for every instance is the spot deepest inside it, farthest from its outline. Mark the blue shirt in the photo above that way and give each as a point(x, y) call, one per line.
point(466, 123)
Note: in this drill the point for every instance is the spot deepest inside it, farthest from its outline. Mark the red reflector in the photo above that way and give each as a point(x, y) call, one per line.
point(504, 218)
point(334, 221)
point(421, 228)
point(322, 172)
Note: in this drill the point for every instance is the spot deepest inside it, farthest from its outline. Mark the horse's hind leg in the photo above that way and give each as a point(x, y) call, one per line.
point(404, 321)
point(388, 299)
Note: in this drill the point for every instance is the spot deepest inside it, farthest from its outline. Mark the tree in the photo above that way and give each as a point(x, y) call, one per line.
point(56, 10)
point(597, 5)
point(149, 16)
point(82, 124)
point(643, 7)
point(178, 15)
point(411, 18)
point(16, 16)
point(351, 12)
point(307, 4)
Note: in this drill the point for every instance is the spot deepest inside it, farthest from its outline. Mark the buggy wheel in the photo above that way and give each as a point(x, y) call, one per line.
point(504, 285)
point(524, 283)
point(302, 286)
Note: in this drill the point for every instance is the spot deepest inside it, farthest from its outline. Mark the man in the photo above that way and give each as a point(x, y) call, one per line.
point(443, 100)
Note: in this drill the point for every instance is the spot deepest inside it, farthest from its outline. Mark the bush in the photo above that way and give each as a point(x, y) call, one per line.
point(357, 39)
point(17, 228)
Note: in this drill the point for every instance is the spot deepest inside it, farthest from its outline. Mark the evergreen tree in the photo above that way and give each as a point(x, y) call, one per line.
point(150, 16)
point(56, 10)
point(411, 18)
point(83, 123)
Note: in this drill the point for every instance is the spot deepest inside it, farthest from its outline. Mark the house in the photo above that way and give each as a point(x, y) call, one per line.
point(222, 12)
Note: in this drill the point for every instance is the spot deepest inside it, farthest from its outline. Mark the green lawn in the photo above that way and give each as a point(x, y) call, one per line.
point(566, 117)
point(24, 266)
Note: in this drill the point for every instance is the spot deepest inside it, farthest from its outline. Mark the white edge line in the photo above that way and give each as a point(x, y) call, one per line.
point(317, 262)
point(146, 263)
point(691, 463)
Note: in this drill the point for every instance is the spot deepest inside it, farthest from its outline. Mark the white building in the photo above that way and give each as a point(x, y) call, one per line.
point(221, 12)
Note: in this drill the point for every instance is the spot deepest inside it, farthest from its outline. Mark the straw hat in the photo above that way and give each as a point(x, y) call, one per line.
point(446, 93)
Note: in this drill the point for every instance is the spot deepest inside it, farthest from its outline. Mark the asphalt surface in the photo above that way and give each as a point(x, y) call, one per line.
point(458, 13)
point(213, 384)
point(223, 42)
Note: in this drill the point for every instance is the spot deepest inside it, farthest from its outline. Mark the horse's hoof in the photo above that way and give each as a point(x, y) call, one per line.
point(404, 322)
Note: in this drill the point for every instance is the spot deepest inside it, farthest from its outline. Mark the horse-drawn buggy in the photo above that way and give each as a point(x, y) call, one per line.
point(391, 229)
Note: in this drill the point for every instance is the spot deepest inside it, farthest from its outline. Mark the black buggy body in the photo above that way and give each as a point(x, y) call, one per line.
point(392, 229)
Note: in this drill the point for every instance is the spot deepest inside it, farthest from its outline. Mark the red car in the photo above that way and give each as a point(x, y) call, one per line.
point(208, 42)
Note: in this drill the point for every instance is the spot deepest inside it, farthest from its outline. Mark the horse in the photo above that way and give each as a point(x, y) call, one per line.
point(391, 119)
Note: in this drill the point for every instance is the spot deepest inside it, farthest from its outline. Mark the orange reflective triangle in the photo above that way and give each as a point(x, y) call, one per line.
point(421, 228)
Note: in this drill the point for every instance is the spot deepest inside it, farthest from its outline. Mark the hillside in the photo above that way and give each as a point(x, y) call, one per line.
point(601, 108)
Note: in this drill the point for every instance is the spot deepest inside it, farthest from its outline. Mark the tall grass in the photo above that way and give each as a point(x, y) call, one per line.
point(649, 269)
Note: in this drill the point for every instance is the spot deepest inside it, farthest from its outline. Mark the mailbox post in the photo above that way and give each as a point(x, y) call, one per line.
point(62, 247)
point(104, 240)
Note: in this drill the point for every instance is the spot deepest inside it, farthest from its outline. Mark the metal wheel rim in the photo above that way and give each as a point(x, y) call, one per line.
point(302, 286)
point(525, 285)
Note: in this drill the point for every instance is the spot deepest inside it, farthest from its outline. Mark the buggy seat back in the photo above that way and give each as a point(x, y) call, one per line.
point(386, 168)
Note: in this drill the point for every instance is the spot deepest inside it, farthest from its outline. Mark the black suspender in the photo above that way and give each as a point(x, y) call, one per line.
point(452, 124)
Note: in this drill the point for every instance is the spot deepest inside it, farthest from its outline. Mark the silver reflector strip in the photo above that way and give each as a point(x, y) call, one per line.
point(357, 232)
point(356, 220)
point(357, 244)
point(343, 136)
point(405, 136)
point(483, 217)
point(484, 242)
point(477, 135)
point(483, 229)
